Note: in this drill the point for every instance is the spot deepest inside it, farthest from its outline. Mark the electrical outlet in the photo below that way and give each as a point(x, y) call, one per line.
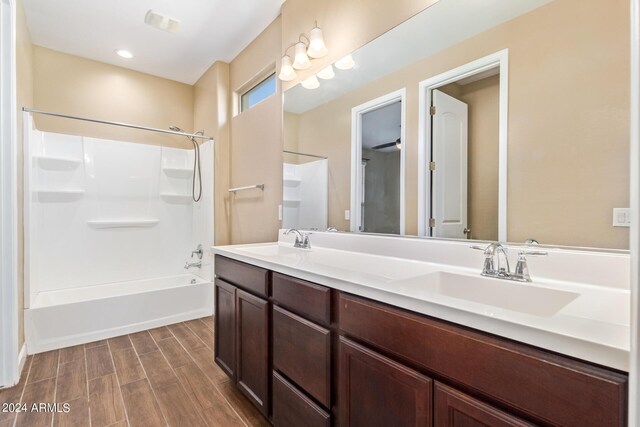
point(621, 217)
point(347, 215)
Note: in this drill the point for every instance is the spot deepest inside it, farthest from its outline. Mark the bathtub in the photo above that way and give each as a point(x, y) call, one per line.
point(68, 317)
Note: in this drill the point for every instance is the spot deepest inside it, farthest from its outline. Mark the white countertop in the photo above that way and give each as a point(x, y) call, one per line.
point(584, 320)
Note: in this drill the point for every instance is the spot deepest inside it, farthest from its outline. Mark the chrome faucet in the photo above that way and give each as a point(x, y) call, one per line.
point(188, 265)
point(502, 271)
point(302, 239)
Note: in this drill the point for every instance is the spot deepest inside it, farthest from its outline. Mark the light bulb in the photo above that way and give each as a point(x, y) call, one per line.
point(326, 73)
point(311, 83)
point(287, 73)
point(317, 49)
point(301, 61)
point(345, 63)
point(399, 145)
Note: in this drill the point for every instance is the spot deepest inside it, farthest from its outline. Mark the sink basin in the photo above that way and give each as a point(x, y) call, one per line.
point(514, 296)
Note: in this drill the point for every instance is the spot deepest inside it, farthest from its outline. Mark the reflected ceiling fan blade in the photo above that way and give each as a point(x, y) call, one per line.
point(388, 144)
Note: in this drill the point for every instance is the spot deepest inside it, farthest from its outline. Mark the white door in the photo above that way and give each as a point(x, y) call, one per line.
point(449, 194)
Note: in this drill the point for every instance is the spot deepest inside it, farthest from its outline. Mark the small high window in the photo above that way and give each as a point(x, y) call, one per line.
point(258, 93)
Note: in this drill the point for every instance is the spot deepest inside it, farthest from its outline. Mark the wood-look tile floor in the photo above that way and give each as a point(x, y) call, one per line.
point(163, 376)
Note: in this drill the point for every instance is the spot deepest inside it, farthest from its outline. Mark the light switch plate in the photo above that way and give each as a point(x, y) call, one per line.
point(347, 215)
point(621, 217)
point(279, 212)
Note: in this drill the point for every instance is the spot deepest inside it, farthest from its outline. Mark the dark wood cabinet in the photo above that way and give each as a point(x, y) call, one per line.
point(291, 408)
point(302, 352)
point(455, 409)
point(242, 329)
point(253, 370)
point(311, 356)
point(225, 327)
point(377, 391)
point(548, 388)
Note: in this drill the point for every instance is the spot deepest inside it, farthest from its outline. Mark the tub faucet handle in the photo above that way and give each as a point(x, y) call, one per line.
point(198, 252)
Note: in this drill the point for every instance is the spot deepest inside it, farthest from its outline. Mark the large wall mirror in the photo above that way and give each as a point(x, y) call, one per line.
point(495, 120)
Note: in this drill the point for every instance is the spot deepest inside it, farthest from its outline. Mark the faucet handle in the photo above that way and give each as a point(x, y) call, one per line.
point(534, 253)
point(522, 268)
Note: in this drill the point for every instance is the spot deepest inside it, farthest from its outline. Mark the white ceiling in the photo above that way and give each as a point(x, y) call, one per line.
point(442, 25)
point(211, 30)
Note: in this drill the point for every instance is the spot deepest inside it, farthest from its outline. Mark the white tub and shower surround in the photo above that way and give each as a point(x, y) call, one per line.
point(103, 217)
point(305, 195)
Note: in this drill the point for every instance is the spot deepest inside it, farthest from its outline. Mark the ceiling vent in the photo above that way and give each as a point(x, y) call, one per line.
point(162, 22)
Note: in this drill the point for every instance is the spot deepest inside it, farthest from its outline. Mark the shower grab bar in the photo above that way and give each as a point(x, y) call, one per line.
point(248, 187)
point(305, 154)
point(126, 125)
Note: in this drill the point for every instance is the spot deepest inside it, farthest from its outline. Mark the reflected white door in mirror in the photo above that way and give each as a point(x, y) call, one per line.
point(462, 151)
point(377, 165)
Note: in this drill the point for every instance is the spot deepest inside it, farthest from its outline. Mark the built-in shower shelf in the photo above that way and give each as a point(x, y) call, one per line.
point(57, 163)
point(178, 172)
point(122, 223)
point(292, 181)
point(176, 198)
point(58, 195)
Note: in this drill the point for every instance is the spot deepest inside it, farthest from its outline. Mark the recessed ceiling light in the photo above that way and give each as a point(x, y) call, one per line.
point(124, 53)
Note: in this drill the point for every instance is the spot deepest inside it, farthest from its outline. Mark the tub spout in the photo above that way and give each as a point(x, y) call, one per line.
point(188, 265)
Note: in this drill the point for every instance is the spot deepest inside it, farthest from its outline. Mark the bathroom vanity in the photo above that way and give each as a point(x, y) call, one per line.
point(313, 341)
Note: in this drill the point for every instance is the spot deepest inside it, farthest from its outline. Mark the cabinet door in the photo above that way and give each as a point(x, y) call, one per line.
point(456, 409)
point(377, 391)
point(253, 349)
point(225, 327)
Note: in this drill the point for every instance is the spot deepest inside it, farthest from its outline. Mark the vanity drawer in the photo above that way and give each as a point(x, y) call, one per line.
point(251, 278)
point(292, 408)
point(304, 298)
point(302, 352)
point(550, 388)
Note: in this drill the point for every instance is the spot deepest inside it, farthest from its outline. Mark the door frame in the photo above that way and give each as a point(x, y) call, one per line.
point(634, 231)
point(500, 60)
point(356, 154)
point(9, 322)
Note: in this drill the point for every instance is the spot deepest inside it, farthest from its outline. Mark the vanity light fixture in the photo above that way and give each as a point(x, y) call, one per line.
point(311, 46)
point(301, 60)
point(123, 53)
point(345, 63)
point(326, 73)
point(317, 49)
point(311, 83)
point(287, 73)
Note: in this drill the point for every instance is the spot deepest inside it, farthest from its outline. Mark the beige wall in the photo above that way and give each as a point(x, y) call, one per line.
point(346, 24)
point(211, 113)
point(483, 100)
point(568, 122)
point(72, 85)
point(24, 97)
point(256, 144)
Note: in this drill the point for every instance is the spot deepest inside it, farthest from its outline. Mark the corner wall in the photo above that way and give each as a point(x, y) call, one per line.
point(256, 144)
